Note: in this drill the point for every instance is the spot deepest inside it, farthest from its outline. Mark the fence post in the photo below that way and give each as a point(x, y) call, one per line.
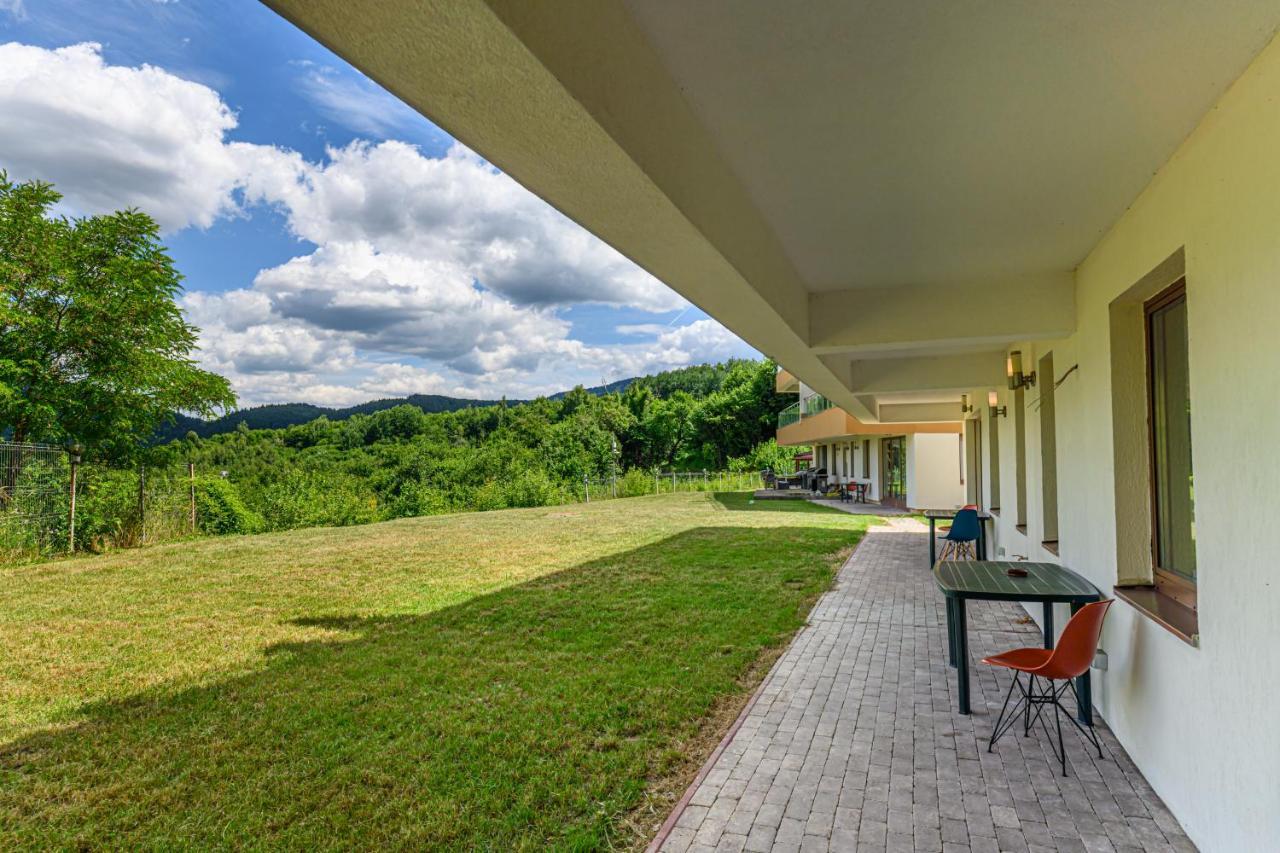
point(586, 488)
point(71, 526)
point(655, 481)
point(142, 503)
point(191, 480)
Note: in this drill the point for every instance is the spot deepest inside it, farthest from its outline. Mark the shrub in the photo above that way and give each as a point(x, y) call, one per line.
point(635, 483)
point(220, 510)
point(313, 499)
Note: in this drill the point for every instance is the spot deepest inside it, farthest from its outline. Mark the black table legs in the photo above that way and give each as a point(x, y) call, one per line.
point(951, 630)
point(1084, 689)
point(958, 656)
point(933, 543)
point(962, 654)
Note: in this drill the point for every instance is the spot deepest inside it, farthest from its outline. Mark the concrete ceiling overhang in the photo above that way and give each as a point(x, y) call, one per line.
point(837, 182)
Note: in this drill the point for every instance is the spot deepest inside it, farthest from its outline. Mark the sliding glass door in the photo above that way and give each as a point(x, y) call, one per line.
point(893, 468)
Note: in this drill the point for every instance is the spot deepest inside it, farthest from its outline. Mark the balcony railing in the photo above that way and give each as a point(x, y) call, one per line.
point(805, 408)
point(815, 404)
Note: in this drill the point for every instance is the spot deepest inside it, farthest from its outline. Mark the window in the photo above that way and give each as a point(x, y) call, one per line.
point(866, 459)
point(1048, 455)
point(1173, 537)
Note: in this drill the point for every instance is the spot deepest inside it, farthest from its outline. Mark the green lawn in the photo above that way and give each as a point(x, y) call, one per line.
point(507, 680)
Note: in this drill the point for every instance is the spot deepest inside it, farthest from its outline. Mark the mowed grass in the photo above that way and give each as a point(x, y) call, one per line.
point(526, 679)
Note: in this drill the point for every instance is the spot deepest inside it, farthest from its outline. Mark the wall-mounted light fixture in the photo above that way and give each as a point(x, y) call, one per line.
point(966, 407)
point(996, 411)
point(1013, 369)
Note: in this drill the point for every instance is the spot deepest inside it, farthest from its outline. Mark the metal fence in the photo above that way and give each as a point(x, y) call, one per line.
point(53, 503)
point(34, 497)
point(636, 483)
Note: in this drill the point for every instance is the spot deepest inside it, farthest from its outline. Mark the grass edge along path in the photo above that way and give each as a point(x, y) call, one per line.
point(524, 679)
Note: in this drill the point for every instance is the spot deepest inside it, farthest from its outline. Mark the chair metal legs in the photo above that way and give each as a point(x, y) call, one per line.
point(1030, 698)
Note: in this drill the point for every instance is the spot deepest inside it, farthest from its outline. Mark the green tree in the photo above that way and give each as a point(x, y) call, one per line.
point(93, 346)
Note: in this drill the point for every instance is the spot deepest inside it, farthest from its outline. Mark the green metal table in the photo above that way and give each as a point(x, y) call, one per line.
point(987, 580)
point(933, 516)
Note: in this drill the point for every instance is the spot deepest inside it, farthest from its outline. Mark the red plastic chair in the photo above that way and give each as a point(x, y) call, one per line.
point(1070, 660)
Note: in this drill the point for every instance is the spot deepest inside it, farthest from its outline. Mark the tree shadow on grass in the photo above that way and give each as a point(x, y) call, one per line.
point(531, 717)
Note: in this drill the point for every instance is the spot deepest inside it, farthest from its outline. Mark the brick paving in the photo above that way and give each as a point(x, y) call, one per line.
point(854, 744)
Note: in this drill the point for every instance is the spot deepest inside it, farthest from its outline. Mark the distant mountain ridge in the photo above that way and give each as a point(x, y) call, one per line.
point(281, 415)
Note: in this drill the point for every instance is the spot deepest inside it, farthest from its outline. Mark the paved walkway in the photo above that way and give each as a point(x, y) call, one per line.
point(883, 510)
point(853, 742)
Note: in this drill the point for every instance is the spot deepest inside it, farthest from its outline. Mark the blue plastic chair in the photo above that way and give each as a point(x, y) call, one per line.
point(961, 541)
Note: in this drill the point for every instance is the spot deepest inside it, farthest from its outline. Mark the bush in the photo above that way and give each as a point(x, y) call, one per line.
point(107, 510)
point(219, 509)
point(312, 499)
point(532, 487)
point(635, 483)
point(767, 454)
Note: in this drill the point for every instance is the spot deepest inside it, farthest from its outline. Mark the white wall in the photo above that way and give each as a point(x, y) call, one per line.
point(933, 471)
point(1200, 722)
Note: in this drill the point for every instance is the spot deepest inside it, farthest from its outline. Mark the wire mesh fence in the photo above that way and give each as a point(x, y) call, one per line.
point(51, 503)
point(637, 482)
point(34, 497)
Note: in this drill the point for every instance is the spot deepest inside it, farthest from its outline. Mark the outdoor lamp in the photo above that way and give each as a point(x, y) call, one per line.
point(996, 411)
point(1013, 369)
point(75, 450)
point(966, 407)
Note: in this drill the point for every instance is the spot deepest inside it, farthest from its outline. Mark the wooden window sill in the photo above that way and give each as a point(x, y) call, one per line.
point(1177, 619)
point(1021, 528)
point(1050, 545)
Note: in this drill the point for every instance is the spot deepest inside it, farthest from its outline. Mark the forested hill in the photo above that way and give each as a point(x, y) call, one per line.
point(402, 461)
point(698, 381)
point(281, 415)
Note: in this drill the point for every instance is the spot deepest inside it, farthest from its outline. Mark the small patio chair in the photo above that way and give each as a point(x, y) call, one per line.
point(946, 528)
point(961, 541)
point(1070, 660)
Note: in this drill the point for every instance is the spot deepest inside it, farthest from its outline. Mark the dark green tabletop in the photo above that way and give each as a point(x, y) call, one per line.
point(948, 514)
point(988, 579)
point(1047, 583)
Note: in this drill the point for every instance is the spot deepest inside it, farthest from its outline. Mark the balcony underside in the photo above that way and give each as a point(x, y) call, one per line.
point(921, 180)
point(836, 424)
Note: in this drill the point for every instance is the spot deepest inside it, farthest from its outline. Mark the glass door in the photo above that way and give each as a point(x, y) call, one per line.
point(893, 470)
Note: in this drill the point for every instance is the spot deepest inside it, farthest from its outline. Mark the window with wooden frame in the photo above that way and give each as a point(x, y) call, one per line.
point(1173, 537)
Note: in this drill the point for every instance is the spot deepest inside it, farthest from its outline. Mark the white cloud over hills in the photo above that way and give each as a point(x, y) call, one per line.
point(428, 274)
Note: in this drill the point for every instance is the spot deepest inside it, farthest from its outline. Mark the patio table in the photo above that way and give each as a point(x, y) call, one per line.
point(933, 516)
point(987, 580)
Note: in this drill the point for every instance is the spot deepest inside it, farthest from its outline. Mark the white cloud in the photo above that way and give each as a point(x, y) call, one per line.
point(641, 329)
point(459, 209)
point(109, 136)
point(432, 275)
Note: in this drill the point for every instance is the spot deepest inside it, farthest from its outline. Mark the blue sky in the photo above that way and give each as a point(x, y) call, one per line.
point(337, 246)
